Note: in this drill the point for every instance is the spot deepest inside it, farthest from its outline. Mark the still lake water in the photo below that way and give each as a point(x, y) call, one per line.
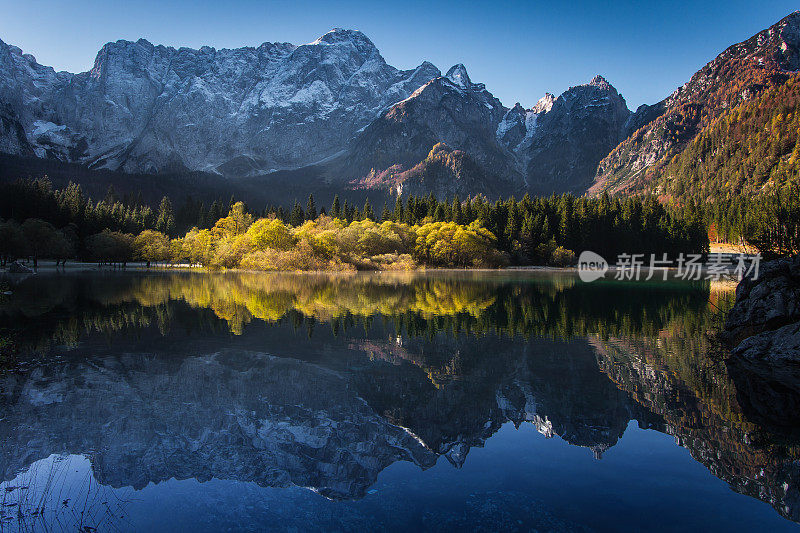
point(192, 401)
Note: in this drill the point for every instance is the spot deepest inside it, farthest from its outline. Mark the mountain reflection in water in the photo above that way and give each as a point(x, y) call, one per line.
point(324, 381)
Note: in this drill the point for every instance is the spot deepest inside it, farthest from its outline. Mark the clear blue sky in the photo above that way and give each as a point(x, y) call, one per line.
point(519, 49)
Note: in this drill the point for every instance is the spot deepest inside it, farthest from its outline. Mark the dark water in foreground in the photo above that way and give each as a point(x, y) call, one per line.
point(441, 401)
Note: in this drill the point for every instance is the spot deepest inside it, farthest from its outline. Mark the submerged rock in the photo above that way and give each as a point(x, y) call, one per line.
point(772, 359)
point(763, 331)
point(17, 268)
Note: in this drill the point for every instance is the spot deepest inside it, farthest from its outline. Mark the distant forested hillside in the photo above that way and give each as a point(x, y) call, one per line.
point(752, 149)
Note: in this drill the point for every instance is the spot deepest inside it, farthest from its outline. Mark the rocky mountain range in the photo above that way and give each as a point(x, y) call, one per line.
point(334, 112)
point(146, 108)
point(333, 103)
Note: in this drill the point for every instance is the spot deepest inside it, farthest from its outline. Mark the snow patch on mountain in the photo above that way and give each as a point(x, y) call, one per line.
point(458, 75)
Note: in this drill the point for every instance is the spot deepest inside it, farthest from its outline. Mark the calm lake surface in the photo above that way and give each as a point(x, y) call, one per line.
point(191, 401)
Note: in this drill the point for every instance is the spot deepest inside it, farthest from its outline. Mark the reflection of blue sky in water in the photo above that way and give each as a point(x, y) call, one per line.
point(60, 493)
point(520, 480)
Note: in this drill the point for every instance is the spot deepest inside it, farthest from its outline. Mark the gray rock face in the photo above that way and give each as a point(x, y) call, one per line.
point(767, 303)
point(146, 108)
point(567, 141)
point(450, 109)
point(12, 134)
point(763, 329)
point(777, 351)
point(518, 126)
point(512, 129)
point(559, 142)
point(554, 146)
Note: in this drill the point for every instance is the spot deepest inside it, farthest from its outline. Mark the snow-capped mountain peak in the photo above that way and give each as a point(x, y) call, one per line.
point(339, 36)
point(544, 104)
point(458, 75)
point(599, 81)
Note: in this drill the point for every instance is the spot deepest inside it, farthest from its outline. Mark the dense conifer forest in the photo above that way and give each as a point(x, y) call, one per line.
point(62, 224)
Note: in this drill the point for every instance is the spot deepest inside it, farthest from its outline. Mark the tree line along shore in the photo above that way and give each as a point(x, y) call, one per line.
point(40, 222)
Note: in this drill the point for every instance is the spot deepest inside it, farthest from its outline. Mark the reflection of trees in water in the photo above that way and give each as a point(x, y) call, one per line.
point(683, 377)
point(60, 494)
point(439, 355)
point(240, 298)
point(59, 309)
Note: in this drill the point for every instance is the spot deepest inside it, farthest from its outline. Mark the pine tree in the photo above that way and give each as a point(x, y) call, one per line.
point(311, 208)
point(397, 214)
point(457, 215)
point(214, 213)
point(202, 216)
point(283, 214)
point(511, 228)
point(346, 212)
point(336, 208)
point(439, 214)
point(430, 205)
point(366, 212)
point(410, 217)
point(469, 214)
point(296, 217)
point(111, 195)
point(165, 223)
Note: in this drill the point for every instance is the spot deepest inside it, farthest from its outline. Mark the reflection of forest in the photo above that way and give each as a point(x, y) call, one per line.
point(679, 377)
point(59, 308)
point(175, 378)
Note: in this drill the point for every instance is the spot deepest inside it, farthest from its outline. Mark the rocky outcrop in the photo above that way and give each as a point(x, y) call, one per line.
point(444, 172)
point(763, 331)
point(568, 140)
point(450, 109)
point(765, 304)
point(779, 347)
